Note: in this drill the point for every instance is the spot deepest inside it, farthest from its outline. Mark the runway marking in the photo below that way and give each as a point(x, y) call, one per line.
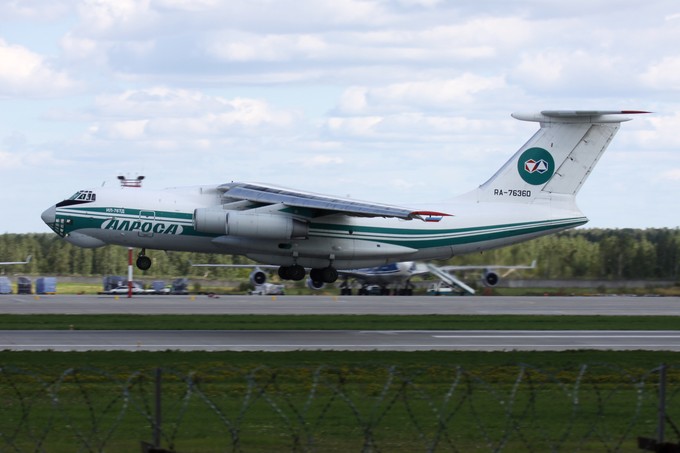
point(306, 346)
point(529, 336)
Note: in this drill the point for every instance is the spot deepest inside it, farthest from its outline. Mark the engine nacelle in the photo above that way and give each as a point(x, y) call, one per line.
point(490, 278)
point(257, 277)
point(315, 284)
point(249, 225)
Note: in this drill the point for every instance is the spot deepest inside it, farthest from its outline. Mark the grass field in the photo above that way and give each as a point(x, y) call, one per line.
point(335, 401)
point(331, 401)
point(335, 322)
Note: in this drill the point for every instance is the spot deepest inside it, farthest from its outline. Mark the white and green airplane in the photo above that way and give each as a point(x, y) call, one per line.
point(531, 195)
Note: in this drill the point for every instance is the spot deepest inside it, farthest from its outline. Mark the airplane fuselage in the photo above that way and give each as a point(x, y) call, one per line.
point(164, 220)
point(530, 195)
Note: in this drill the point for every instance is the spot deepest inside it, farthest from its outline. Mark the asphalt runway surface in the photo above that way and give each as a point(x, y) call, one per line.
point(268, 340)
point(348, 305)
point(337, 340)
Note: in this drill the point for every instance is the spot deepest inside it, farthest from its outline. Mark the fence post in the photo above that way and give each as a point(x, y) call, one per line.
point(158, 420)
point(662, 404)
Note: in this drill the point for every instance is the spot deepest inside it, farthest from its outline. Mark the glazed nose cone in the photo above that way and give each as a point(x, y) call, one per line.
point(49, 215)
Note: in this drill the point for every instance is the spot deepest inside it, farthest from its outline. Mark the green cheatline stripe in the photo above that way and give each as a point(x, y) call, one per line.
point(429, 231)
point(413, 238)
point(131, 213)
point(425, 238)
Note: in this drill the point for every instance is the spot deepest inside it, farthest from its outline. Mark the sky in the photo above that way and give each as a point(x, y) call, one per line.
point(403, 102)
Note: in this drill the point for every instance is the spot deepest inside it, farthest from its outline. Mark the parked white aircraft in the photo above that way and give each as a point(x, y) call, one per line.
point(531, 195)
point(396, 277)
point(258, 278)
point(28, 260)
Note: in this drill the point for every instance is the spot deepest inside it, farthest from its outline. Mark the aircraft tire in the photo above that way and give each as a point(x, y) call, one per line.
point(143, 262)
point(316, 274)
point(329, 274)
point(297, 272)
point(284, 273)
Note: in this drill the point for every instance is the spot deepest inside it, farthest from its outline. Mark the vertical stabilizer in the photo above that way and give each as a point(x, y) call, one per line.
point(553, 165)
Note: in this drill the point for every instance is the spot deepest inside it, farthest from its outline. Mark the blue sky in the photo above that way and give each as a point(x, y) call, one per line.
point(400, 102)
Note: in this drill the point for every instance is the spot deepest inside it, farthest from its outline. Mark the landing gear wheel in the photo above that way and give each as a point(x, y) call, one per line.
point(294, 272)
point(143, 262)
point(284, 272)
point(315, 274)
point(329, 274)
point(297, 272)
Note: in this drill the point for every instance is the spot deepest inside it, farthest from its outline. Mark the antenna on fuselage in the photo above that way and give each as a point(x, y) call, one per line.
point(126, 181)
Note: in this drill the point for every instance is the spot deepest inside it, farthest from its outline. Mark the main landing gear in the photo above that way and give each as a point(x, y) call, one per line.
point(143, 261)
point(296, 272)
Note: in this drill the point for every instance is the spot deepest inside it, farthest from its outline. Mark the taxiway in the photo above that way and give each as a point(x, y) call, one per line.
point(268, 340)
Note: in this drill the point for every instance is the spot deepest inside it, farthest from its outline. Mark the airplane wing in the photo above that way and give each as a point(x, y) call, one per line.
point(487, 266)
point(236, 266)
point(28, 260)
point(268, 194)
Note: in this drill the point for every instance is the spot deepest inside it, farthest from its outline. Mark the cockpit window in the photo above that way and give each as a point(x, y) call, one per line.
point(84, 195)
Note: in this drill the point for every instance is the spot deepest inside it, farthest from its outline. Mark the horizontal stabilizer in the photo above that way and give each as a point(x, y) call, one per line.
point(569, 116)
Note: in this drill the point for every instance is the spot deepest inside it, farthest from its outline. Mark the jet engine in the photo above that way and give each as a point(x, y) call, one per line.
point(490, 278)
point(249, 225)
point(315, 284)
point(257, 277)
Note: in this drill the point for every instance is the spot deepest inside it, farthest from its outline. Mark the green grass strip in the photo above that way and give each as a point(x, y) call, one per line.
point(122, 361)
point(335, 322)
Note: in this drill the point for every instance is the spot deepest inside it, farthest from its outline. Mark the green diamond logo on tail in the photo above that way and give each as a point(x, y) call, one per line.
point(536, 166)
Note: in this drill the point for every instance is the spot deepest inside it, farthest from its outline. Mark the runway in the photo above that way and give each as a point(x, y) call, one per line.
point(267, 340)
point(338, 340)
point(348, 305)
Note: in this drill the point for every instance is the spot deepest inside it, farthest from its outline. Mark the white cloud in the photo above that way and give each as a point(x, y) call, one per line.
point(321, 160)
point(26, 74)
point(34, 9)
point(671, 175)
point(560, 69)
point(251, 47)
point(161, 112)
point(664, 75)
point(116, 17)
point(327, 94)
point(419, 95)
point(661, 131)
point(9, 161)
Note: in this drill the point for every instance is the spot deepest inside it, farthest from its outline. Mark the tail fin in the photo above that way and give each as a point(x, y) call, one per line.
point(553, 165)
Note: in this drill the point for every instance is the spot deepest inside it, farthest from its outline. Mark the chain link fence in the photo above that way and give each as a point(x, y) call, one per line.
point(592, 407)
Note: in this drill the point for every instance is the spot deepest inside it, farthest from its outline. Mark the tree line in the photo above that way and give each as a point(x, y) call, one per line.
point(616, 254)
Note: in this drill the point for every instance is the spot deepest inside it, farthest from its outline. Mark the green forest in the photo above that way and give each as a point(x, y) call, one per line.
point(615, 254)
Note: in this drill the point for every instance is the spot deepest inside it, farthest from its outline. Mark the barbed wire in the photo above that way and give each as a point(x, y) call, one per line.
point(598, 407)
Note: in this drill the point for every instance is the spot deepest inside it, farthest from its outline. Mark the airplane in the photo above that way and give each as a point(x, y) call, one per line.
point(531, 195)
point(396, 277)
point(7, 263)
point(257, 278)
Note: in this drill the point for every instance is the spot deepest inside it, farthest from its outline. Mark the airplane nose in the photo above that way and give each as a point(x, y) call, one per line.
point(50, 215)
